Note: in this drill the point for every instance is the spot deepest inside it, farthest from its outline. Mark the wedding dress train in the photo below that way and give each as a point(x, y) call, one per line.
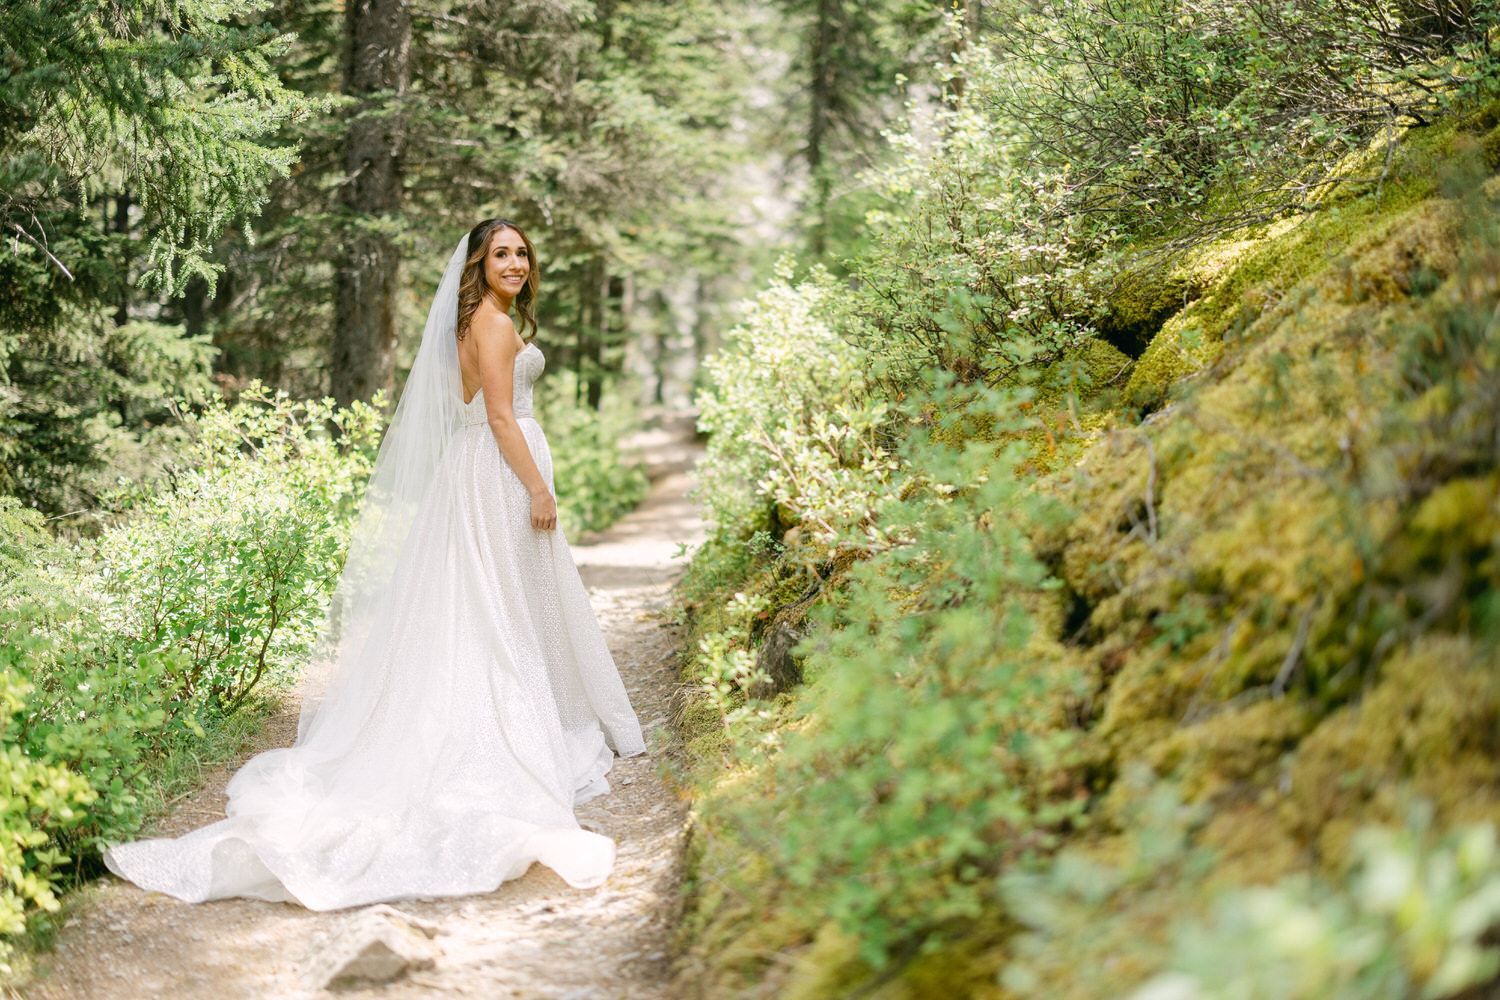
point(487, 707)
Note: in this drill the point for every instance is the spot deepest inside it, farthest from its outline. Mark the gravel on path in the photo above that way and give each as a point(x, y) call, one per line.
point(535, 937)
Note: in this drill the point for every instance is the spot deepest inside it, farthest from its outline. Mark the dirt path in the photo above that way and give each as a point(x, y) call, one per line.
point(536, 937)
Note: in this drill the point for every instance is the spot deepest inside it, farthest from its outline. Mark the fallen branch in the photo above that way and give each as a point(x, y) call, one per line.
point(1293, 655)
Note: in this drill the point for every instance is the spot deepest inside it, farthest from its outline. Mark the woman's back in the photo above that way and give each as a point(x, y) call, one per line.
point(468, 347)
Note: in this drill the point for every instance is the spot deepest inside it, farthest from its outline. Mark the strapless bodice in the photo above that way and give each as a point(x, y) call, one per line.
point(529, 365)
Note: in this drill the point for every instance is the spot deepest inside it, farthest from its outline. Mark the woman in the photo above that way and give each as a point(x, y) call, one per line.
point(463, 700)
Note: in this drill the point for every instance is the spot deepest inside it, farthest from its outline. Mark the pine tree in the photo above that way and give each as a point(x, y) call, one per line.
point(598, 126)
point(376, 71)
point(131, 135)
point(845, 71)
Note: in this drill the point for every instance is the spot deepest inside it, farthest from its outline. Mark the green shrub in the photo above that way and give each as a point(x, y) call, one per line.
point(597, 481)
point(1150, 915)
point(1413, 917)
point(978, 268)
point(940, 735)
point(792, 422)
point(233, 564)
point(118, 653)
point(37, 797)
point(77, 716)
point(99, 723)
point(1195, 117)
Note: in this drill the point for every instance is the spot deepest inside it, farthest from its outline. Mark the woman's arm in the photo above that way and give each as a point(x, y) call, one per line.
point(495, 345)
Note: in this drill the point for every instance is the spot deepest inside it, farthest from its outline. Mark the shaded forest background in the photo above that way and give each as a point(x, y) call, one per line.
point(202, 194)
point(1104, 590)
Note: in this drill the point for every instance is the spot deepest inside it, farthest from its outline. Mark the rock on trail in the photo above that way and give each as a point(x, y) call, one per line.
point(535, 937)
point(373, 945)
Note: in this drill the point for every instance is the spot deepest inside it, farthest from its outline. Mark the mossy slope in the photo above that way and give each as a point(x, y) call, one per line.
point(1281, 587)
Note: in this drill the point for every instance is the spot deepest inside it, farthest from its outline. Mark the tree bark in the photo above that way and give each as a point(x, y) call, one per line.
point(377, 46)
point(614, 313)
point(122, 229)
point(972, 11)
point(822, 66)
point(593, 326)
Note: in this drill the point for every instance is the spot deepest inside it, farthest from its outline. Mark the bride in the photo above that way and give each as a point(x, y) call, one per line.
point(462, 700)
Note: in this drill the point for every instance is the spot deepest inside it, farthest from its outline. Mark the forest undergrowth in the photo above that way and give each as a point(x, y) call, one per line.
point(1112, 609)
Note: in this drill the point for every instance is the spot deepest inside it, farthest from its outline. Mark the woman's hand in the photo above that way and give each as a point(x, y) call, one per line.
point(543, 511)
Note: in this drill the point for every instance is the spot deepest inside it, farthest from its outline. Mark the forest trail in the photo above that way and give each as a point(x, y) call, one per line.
point(535, 937)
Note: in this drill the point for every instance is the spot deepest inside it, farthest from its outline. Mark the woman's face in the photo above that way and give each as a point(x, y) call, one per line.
point(507, 264)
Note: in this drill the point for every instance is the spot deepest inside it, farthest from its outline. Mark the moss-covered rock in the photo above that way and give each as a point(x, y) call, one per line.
point(1429, 727)
point(1281, 590)
point(1140, 302)
point(1237, 280)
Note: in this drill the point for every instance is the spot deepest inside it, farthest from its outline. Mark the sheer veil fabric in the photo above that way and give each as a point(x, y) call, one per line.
point(461, 700)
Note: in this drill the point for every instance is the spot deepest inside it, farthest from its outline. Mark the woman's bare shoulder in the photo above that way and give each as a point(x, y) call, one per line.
point(491, 322)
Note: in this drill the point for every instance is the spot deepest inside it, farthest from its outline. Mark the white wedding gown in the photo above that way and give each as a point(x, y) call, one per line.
point(488, 708)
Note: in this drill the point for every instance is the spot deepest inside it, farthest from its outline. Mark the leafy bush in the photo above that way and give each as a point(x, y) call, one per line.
point(232, 565)
point(93, 726)
point(792, 421)
point(1192, 117)
point(942, 726)
point(979, 267)
point(597, 481)
point(39, 797)
point(1411, 914)
point(78, 716)
point(119, 652)
point(936, 737)
point(1412, 918)
point(941, 738)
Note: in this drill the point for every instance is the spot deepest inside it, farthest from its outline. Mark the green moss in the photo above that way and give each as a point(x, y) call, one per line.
point(1225, 552)
point(1141, 302)
point(1244, 277)
point(1489, 147)
point(1276, 586)
point(1089, 370)
point(831, 969)
point(701, 730)
point(1233, 748)
point(1430, 727)
point(1482, 118)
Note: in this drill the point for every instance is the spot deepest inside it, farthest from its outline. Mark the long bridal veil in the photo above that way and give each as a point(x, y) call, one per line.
point(425, 420)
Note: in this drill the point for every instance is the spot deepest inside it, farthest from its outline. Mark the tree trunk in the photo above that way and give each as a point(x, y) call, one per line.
point(194, 304)
point(613, 317)
point(820, 112)
point(377, 43)
point(122, 229)
point(972, 11)
point(593, 326)
point(594, 307)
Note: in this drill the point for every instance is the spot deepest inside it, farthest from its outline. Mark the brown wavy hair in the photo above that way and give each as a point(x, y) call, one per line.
point(472, 288)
